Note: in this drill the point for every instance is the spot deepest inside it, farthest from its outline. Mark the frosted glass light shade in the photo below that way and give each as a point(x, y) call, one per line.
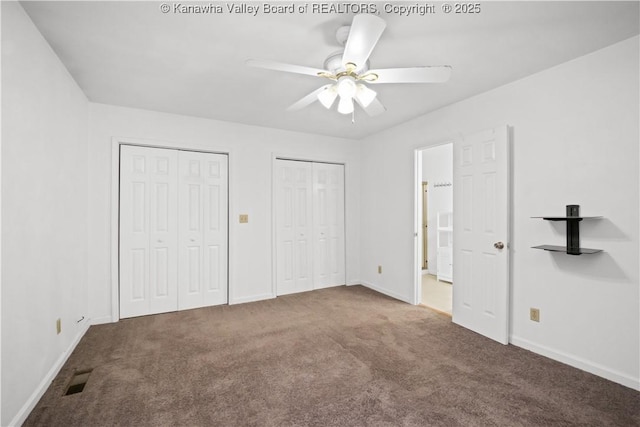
point(328, 96)
point(364, 95)
point(345, 106)
point(346, 87)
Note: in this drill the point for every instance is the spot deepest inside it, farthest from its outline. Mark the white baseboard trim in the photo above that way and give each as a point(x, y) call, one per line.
point(577, 362)
point(31, 403)
point(354, 283)
point(101, 320)
point(387, 292)
point(251, 298)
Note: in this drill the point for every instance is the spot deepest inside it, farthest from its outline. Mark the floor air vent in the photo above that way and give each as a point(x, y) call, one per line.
point(78, 381)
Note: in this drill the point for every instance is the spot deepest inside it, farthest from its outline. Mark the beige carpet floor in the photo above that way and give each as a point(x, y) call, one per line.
point(343, 356)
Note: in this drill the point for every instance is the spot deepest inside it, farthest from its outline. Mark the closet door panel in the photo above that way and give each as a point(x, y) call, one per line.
point(328, 236)
point(163, 238)
point(203, 222)
point(293, 227)
point(148, 231)
point(215, 229)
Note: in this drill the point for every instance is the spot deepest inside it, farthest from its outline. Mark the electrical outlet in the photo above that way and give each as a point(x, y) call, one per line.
point(379, 269)
point(534, 314)
point(58, 326)
point(244, 218)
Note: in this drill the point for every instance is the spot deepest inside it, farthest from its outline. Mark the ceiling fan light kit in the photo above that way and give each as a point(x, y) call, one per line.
point(349, 70)
point(345, 106)
point(328, 96)
point(365, 95)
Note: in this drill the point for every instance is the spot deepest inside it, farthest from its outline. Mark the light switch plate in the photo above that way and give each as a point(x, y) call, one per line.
point(534, 314)
point(244, 218)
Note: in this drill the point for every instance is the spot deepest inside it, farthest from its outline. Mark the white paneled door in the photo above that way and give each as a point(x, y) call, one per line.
point(328, 225)
point(309, 200)
point(173, 230)
point(294, 227)
point(202, 217)
point(481, 238)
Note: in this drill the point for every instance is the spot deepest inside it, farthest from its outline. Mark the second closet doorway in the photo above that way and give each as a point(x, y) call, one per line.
point(310, 232)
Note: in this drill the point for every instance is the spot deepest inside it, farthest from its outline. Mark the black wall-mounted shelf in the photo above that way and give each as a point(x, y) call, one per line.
point(573, 219)
point(563, 249)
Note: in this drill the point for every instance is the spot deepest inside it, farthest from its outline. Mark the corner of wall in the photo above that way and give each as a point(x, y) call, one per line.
point(31, 403)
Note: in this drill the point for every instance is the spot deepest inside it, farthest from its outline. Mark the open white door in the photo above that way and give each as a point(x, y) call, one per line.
point(481, 240)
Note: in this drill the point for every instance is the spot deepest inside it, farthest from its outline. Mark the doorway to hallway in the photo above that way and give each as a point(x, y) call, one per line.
point(435, 178)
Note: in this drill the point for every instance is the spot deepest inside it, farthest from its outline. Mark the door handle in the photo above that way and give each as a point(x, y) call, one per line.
point(498, 245)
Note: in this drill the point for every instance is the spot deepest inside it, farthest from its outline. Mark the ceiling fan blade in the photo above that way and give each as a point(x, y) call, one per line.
point(363, 36)
point(438, 74)
point(374, 108)
point(309, 99)
point(280, 66)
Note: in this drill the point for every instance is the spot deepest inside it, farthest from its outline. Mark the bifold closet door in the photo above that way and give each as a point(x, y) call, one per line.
point(203, 223)
point(148, 231)
point(294, 216)
point(328, 225)
point(173, 230)
point(309, 226)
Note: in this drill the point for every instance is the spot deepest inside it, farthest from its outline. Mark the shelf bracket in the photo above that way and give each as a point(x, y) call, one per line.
point(573, 229)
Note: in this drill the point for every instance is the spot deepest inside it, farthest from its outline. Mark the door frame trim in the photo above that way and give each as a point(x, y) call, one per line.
point(424, 257)
point(116, 142)
point(274, 244)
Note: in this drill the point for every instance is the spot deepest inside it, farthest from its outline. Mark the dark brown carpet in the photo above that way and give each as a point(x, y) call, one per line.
point(343, 356)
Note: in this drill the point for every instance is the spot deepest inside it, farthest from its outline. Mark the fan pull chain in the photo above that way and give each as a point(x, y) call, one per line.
point(353, 116)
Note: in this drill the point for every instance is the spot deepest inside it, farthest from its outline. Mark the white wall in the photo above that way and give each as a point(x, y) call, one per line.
point(575, 140)
point(251, 152)
point(44, 213)
point(437, 167)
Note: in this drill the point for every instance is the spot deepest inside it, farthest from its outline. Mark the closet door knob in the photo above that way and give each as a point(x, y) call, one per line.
point(498, 245)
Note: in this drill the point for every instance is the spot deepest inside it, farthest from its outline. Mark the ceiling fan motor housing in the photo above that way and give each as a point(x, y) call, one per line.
point(334, 64)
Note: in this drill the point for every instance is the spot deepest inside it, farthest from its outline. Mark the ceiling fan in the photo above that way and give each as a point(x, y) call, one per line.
point(349, 70)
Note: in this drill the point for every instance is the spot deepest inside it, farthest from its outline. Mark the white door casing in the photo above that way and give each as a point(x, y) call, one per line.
point(148, 231)
point(294, 217)
point(328, 224)
point(481, 226)
point(202, 229)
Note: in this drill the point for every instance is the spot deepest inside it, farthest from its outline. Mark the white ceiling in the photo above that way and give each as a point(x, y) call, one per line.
point(131, 54)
